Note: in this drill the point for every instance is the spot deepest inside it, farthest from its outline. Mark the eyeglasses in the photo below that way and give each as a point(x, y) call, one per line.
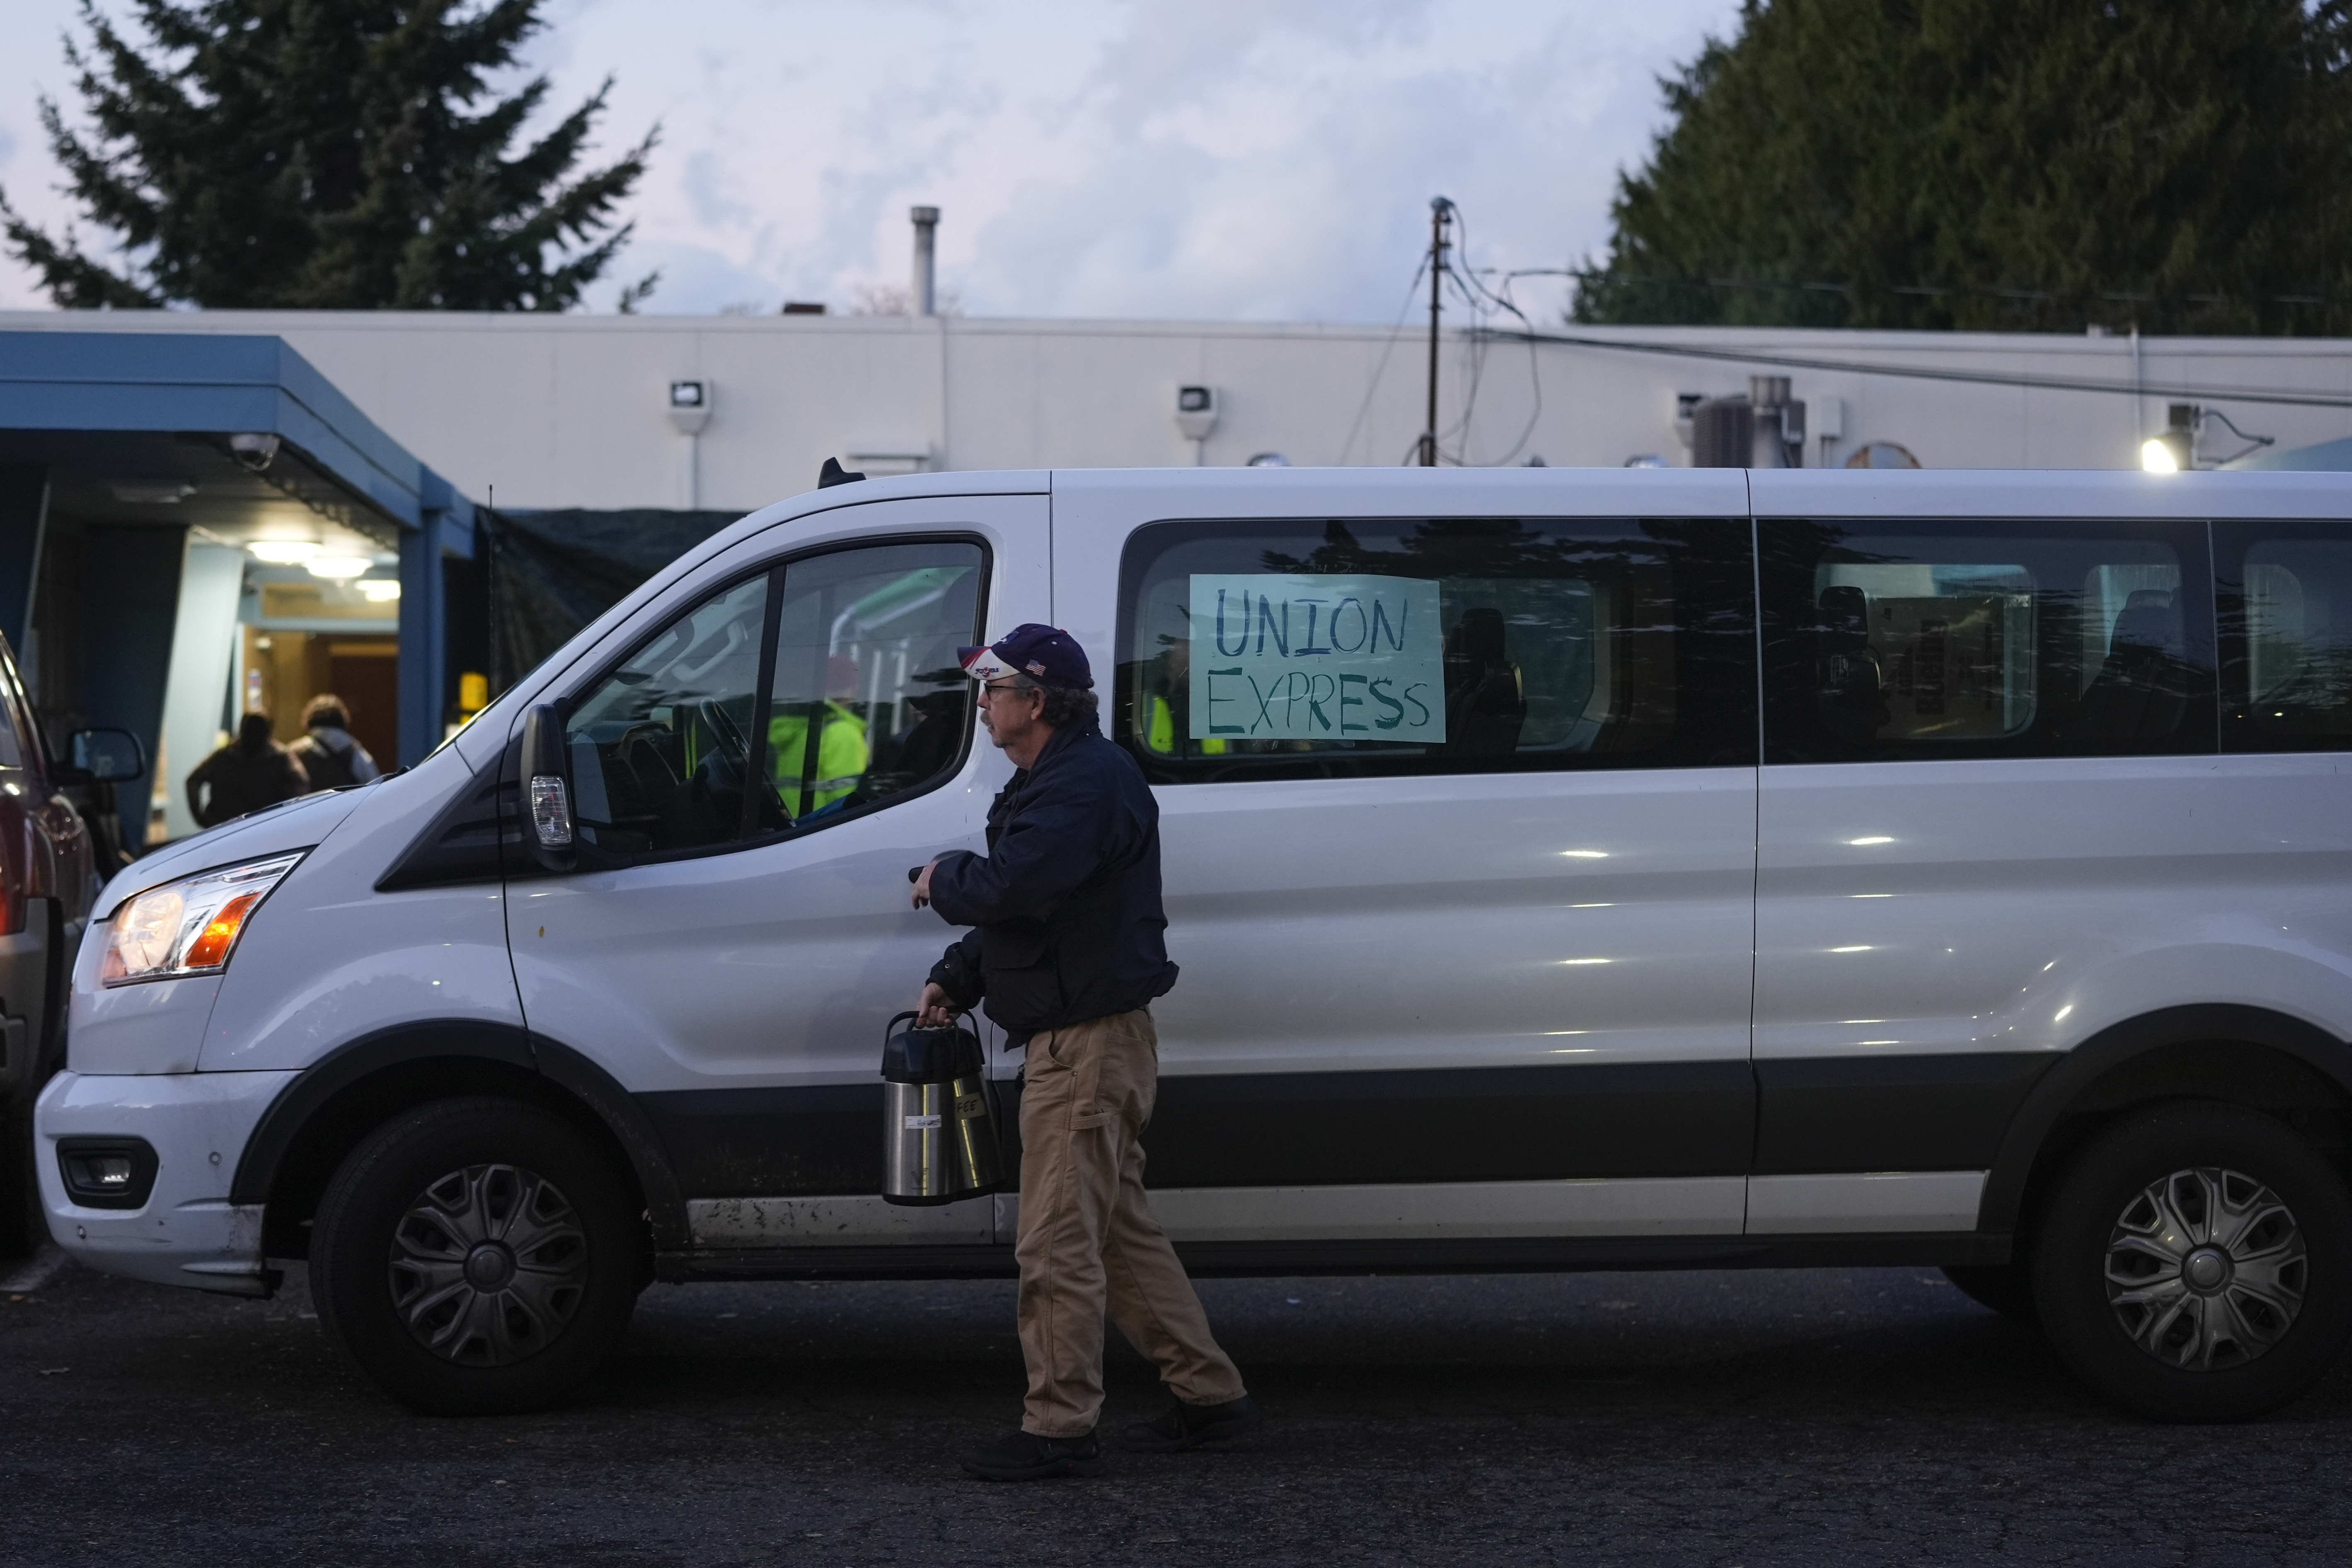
point(1007, 686)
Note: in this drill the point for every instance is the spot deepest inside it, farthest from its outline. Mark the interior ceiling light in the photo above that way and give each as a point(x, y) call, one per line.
point(337, 565)
point(380, 590)
point(283, 551)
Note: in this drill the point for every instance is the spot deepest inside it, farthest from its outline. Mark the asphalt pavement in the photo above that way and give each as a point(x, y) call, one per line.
point(1723, 1418)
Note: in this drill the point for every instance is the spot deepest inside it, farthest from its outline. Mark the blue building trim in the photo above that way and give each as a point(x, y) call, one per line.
point(226, 384)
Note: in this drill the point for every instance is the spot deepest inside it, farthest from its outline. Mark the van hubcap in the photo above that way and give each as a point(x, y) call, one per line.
point(488, 1265)
point(2206, 1269)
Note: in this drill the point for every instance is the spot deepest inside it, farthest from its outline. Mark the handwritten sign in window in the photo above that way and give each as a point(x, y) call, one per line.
point(1277, 657)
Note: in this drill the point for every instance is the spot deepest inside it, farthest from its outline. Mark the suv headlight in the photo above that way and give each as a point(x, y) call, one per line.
point(190, 926)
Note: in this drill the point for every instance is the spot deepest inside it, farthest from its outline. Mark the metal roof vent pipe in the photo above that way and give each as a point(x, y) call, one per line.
point(926, 234)
point(1779, 433)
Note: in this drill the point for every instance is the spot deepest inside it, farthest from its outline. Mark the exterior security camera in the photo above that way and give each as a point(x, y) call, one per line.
point(1196, 411)
point(253, 450)
point(689, 406)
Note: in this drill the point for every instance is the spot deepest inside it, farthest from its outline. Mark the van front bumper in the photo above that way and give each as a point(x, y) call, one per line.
point(186, 1232)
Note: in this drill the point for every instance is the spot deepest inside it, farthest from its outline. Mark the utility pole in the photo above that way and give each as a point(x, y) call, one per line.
point(1441, 211)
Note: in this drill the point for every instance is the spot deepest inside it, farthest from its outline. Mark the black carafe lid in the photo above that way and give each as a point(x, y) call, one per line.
point(929, 1056)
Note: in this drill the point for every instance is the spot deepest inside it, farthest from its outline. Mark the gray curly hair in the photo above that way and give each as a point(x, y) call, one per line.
point(1065, 705)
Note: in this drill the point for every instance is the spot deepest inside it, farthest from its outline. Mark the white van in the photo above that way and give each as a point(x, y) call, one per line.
point(1567, 869)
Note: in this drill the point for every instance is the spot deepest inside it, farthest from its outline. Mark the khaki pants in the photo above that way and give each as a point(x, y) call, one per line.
point(1088, 1237)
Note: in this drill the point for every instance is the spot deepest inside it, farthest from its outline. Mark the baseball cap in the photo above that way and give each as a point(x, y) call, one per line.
point(1046, 654)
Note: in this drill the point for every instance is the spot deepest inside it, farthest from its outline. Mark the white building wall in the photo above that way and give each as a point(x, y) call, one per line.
point(569, 411)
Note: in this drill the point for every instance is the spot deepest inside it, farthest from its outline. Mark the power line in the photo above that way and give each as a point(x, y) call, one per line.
point(1916, 291)
point(1472, 289)
point(1380, 366)
point(1927, 373)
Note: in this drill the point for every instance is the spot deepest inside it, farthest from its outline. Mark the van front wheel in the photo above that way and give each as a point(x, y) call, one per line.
point(2195, 1263)
point(476, 1256)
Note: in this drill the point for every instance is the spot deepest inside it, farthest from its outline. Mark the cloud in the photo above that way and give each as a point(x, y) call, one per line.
point(1209, 159)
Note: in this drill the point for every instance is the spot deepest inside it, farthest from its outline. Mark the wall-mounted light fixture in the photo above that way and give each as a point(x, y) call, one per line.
point(1687, 415)
point(2182, 443)
point(1196, 411)
point(689, 411)
point(2176, 448)
point(1196, 416)
point(689, 407)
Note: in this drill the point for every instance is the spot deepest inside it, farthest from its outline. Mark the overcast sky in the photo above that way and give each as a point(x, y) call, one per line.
point(1257, 160)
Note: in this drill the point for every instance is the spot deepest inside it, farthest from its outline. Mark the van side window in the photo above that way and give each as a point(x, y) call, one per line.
point(2284, 592)
point(702, 738)
point(1911, 639)
point(1316, 649)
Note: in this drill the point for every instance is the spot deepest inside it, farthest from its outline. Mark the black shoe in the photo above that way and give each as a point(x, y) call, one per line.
point(1026, 1456)
point(1190, 1426)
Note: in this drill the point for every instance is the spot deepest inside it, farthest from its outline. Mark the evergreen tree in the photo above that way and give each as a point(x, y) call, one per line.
point(2180, 165)
point(325, 154)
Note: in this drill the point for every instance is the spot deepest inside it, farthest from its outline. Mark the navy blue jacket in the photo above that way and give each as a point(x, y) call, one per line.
point(1065, 903)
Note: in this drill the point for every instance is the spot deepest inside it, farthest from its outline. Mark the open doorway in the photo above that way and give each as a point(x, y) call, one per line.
point(286, 636)
point(285, 670)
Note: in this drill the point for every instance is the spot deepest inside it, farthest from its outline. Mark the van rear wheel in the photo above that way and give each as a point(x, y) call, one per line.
point(2195, 1263)
point(476, 1256)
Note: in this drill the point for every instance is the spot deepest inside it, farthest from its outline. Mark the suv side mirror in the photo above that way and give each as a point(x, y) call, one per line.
point(103, 756)
point(546, 796)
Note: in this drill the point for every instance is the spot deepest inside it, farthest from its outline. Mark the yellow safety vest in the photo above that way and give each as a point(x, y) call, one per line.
point(1162, 735)
point(841, 756)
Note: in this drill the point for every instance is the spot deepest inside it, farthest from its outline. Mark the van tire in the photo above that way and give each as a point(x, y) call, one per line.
point(2216, 1235)
point(2005, 1287)
point(411, 1273)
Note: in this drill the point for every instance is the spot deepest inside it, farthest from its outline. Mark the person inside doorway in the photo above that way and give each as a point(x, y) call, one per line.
point(249, 772)
point(330, 754)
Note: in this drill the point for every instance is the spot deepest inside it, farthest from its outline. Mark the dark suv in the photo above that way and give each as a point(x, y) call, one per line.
point(49, 877)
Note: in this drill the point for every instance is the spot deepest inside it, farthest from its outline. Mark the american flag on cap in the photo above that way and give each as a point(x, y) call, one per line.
point(1046, 654)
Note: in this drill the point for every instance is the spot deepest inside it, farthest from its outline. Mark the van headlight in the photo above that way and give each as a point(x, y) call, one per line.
point(190, 926)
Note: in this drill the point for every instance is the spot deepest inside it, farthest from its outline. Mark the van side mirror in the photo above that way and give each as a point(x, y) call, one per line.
point(546, 795)
point(103, 756)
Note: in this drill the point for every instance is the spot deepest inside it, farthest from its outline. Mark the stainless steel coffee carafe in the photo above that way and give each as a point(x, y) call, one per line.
point(939, 1138)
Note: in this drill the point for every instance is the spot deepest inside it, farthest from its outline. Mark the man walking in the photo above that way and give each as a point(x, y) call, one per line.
point(1067, 952)
point(249, 772)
